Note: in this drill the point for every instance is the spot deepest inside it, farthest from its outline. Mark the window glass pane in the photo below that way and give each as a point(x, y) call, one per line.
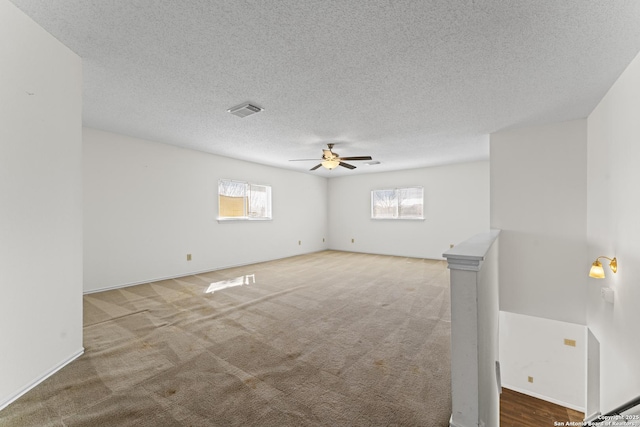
point(410, 202)
point(231, 188)
point(232, 199)
point(259, 201)
point(384, 204)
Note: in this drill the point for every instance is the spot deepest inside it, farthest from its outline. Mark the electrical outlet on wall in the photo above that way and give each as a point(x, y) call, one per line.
point(530, 379)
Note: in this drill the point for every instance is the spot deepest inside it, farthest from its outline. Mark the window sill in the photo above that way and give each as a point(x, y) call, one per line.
point(398, 219)
point(234, 219)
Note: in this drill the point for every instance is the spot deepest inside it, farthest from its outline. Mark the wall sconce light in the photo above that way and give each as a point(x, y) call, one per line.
point(597, 271)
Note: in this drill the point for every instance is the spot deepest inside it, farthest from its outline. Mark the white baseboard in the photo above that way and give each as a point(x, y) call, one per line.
point(193, 273)
point(546, 398)
point(209, 270)
point(40, 379)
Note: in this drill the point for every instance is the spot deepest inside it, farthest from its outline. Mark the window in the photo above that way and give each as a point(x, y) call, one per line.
point(242, 200)
point(398, 203)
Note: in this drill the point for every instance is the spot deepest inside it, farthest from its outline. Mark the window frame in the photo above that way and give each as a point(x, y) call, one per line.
point(247, 201)
point(397, 204)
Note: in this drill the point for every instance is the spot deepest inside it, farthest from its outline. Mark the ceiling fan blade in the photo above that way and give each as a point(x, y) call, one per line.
point(303, 160)
point(357, 158)
point(347, 165)
point(316, 167)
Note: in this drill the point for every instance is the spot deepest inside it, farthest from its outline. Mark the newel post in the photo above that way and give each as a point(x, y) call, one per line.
point(475, 383)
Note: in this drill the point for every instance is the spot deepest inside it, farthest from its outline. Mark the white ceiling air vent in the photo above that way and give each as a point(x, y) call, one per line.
point(244, 110)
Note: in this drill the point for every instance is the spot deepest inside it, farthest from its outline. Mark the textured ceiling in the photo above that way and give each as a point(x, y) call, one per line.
point(411, 83)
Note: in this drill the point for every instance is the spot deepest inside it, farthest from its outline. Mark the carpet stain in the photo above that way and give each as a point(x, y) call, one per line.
point(410, 289)
point(380, 363)
point(251, 382)
point(170, 392)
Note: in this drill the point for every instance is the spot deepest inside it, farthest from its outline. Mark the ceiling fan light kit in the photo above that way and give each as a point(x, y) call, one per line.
point(330, 164)
point(331, 160)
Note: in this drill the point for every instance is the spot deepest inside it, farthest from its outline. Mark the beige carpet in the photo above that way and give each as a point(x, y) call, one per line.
point(326, 339)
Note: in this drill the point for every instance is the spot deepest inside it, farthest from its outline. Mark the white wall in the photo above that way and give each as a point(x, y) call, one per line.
point(613, 229)
point(456, 201)
point(147, 205)
point(40, 200)
point(534, 347)
point(539, 201)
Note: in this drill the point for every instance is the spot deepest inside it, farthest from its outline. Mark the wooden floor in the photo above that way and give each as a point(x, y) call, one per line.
point(520, 410)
